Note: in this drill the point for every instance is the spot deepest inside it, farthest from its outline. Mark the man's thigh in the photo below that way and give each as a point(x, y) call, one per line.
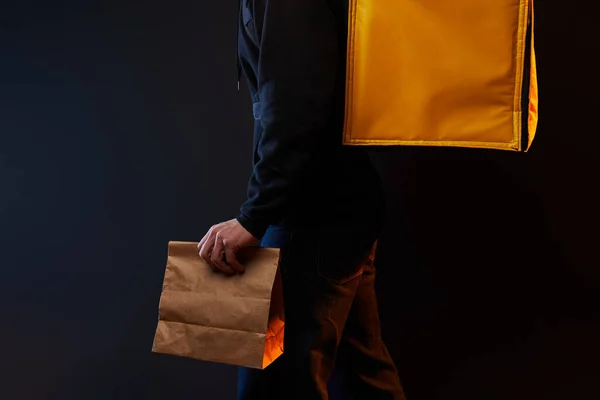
point(320, 273)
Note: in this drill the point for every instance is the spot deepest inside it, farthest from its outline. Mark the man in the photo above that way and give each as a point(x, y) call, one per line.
point(319, 201)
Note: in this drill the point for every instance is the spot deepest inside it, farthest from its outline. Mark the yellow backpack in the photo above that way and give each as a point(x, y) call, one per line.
point(440, 73)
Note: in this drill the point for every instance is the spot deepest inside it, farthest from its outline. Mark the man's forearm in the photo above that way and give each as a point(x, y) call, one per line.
point(296, 80)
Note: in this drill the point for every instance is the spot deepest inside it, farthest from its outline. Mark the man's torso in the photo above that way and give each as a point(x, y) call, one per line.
point(348, 188)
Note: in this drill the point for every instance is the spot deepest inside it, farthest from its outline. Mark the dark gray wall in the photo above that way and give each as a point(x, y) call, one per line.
point(121, 129)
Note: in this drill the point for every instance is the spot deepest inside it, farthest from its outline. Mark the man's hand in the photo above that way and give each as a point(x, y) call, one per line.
point(221, 243)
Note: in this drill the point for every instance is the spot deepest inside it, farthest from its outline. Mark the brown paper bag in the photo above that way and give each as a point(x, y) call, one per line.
point(206, 315)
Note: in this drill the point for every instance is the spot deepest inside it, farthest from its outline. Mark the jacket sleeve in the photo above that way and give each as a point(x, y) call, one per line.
point(296, 78)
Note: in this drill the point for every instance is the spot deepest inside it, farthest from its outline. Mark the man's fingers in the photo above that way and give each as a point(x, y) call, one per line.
point(204, 239)
point(207, 237)
point(207, 250)
point(218, 258)
point(223, 267)
point(230, 256)
point(218, 248)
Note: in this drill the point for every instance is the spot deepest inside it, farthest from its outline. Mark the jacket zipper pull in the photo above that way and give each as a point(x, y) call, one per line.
point(237, 50)
point(239, 73)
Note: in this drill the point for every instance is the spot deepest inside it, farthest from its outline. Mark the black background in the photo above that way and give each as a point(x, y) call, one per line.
point(121, 129)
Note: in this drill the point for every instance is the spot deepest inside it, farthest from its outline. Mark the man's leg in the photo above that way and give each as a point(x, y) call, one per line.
point(321, 273)
point(369, 371)
point(254, 384)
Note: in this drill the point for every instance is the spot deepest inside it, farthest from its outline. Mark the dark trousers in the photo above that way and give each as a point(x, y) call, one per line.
point(331, 320)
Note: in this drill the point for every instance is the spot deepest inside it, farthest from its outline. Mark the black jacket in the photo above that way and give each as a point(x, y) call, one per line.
point(293, 54)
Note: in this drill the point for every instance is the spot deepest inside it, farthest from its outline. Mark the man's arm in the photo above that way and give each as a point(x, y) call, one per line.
point(296, 79)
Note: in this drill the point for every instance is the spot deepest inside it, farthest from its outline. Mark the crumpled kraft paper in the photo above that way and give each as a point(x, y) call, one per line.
point(236, 320)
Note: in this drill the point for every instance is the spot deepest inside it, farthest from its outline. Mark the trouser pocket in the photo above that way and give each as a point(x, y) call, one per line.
point(344, 252)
